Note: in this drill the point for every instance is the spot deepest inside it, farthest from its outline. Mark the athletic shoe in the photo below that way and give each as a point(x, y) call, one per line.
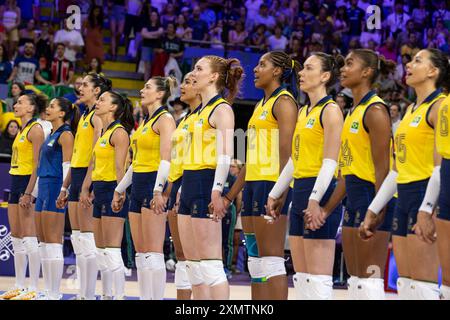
point(103, 297)
point(27, 295)
point(11, 294)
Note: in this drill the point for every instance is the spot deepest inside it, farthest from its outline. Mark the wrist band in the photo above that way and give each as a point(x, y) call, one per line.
point(63, 189)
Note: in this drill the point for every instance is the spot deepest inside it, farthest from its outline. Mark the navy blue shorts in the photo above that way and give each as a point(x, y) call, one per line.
point(142, 190)
point(300, 198)
point(18, 186)
point(255, 196)
point(48, 193)
point(173, 193)
point(77, 178)
point(410, 197)
point(196, 192)
point(360, 194)
point(444, 196)
point(104, 192)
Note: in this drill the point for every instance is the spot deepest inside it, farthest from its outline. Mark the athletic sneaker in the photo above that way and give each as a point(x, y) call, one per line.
point(42, 296)
point(103, 297)
point(11, 294)
point(26, 295)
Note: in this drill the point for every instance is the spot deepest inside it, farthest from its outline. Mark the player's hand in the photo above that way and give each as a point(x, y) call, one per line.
point(425, 227)
point(117, 201)
point(62, 200)
point(314, 215)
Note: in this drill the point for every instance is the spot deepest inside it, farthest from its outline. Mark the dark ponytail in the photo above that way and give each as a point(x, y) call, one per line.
point(441, 61)
point(100, 82)
point(71, 112)
point(376, 62)
point(331, 64)
point(39, 101)
point(124, 111)
point(289, 67)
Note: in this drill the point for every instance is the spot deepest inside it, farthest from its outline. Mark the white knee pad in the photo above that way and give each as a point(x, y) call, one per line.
point(424, 290)
point(213, 272)
point(404, 288)
point(138, 260)
point(42, 250)
point(75, 239)
point(370, 289)
point(445, 292)
point(194, 272)
point(101, 259)
point(273, 266)
point(153, 261)
point(113, 259)
point(255, 268)
point(181, 276)
point(301, 286)
point(320, 287)
point(18, 245)
point(87, 245)
point(54, 251)
point(31, 244)
point(352, 287)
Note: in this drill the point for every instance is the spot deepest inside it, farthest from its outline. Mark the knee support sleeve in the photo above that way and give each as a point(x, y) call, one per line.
point(75, 239)
point(352, 286)
point(404, 288)
point(31, 244)
point(370, 289)
point(320, 287)
point(18, 245)
point(301, 286)
point(213, 272)
point(153, 261)
point(424, 290)
point(42, 250)
point(87, 245)
point(113, 259)
point(251, 245)
point(256, 270)
point(138, 260)
point(101, 259)
point(54, 251)
point(194, 272)
point(273, 266)
point(181, 277)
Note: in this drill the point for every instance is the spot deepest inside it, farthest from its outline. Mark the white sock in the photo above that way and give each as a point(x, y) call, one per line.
point(89, 251)
point(352, 283)
point(140, 275)
point(370, 289)
point(445, 292)
point(56, 262)
point(34, 263)
point(81, 262)
point(422, 290)
point(155, 275)
point(20, 261)
point(320, 287)
point(117, 268)
point(45, 266)
point(105, 273)
point(75, 239)
point(301, 286)
point(404, 288)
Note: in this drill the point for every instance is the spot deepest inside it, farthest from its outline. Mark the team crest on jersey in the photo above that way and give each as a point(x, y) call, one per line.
point(354, 128)
point(144, 131)
point(22, 139)
point(415, 122)
point(185, 127)
point(51, 143)
point(263, 115)
point(199, 123)
point(102, 142)
point(85, 124)
point(310, 123)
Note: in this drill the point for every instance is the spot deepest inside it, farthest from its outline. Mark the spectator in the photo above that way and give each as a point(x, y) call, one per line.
point(440, 30)
point(8, 136)
point(171, 44)
point(340, 22)
point(44, 70)
point(277, 41)
point(74, 96)
point(198, 25)
point(355, 19)
point(298, 31)
point(263, 17)
point(363, 5)
point(117, 23)
point(400, 71)
point(94, 66)
point(410, 48)
point(396, 21)
point(151, 35)
point(27, 34)
point(44, 44)
point(252, 7)
point(2, 34)
point(258, 38)
point(207, 14)
point(26, 67)
point(17, 89)
point(287, 11)
point(421, 15)
point(93, 32)
point(179, 109)
point(296, 50)
point(429, 38)
point(183, 31)
point(396, 112)
point(11, 18)
point(215, 35)
point(308, 18)
point(322, 26)
point(275, 8)
point(169, 15)
point(235, 169)
point(388, 49)
point(72, 39)
point(286, 27)
point(344, 102)
point(62, 69)
point(442, 13)
point(5, 64)
point(132, 21)
point(403, 36)
point(238, 36)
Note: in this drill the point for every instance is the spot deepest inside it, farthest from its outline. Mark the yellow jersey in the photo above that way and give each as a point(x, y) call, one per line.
point(307, 143)
point(442, 136)
point(104, 156)
point(179, 146)
point(84, 139)
point(262, 159)
point(145, 144)
point(201, 142)
point(414, 142)
point(356, 152)
point(22, 159)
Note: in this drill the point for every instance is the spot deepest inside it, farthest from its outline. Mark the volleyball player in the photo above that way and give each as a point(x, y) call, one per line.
point(81, 220)
point(105, 172)
point(151, 145)
point(206, 168)
point(21, 216)
point(54, 165)
point(315, 151)
point(417, 165)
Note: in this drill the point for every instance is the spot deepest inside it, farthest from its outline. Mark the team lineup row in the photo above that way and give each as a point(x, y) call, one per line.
point(308, 156)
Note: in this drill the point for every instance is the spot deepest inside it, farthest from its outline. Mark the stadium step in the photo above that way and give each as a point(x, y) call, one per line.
point(120, 51)
point(127, 83)
point(119, 66)
point(123, 75)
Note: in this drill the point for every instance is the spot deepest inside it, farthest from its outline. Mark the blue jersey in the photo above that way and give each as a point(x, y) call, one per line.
point(50, 159)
